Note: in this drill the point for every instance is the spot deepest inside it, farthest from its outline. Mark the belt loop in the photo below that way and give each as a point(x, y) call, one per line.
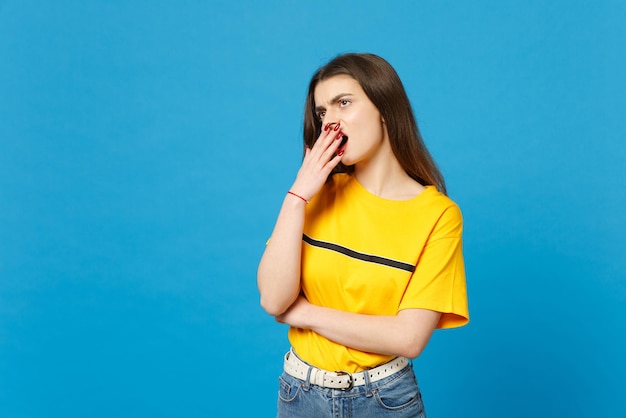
point(307, 382)
point(368, 384)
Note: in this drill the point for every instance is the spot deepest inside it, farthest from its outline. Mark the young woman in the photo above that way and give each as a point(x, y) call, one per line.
point(365, 260)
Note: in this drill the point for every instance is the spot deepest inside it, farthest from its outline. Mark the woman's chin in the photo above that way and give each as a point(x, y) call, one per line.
point(346, 160)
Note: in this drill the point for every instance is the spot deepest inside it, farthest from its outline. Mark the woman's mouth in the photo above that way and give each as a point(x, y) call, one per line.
point(342, 145)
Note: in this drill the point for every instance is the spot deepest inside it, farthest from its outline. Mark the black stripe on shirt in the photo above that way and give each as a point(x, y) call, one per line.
point(359, 256)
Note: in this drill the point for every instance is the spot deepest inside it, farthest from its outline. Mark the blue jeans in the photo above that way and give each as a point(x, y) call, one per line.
point(395, 396)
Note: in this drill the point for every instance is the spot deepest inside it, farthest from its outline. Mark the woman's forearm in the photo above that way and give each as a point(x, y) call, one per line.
point(405, 334)
point(399, 335)
point(278, 275)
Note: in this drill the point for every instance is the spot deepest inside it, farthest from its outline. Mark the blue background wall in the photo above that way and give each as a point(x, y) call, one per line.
point(145, 148)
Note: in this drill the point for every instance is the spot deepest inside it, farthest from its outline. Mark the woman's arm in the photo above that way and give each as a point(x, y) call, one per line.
point(278, 276)
point(405, 334)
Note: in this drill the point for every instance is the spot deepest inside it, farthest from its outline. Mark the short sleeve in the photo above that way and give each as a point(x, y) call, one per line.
point(438, 282)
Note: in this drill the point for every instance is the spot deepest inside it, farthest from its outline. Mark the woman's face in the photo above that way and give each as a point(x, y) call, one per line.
point(340, 99)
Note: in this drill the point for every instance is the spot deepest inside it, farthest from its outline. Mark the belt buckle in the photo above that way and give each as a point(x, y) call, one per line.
point(351, 380)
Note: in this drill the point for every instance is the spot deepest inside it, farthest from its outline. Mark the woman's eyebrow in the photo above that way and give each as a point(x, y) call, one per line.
point(333, 100)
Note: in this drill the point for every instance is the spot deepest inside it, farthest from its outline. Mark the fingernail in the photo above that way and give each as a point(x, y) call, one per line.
point(327, 126)
point(339, 135)
point(336, 127)
point(340, 153)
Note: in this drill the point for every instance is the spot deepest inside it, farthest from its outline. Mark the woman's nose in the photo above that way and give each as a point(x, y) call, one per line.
point(331, 118)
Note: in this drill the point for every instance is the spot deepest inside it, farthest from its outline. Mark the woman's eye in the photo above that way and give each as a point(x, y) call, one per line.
point(344, 102)
point(321, 115)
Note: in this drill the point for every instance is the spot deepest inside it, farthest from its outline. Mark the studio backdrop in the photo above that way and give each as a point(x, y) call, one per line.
point(145, 149)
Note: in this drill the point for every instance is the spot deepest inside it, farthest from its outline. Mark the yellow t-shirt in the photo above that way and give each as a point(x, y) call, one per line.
point(369, 255)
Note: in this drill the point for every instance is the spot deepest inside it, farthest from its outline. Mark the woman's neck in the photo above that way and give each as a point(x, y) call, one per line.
point(386, 178)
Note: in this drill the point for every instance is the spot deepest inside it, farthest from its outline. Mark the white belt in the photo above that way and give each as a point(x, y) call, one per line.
point(340, 379)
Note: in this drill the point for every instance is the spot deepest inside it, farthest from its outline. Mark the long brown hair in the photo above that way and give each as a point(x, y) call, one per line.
point(383, 87)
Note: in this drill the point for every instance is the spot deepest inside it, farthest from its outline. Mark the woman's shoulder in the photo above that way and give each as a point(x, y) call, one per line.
point(445, 212)
point(431, 196)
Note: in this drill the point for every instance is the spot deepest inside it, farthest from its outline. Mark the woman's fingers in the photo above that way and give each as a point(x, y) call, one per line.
point(327, 144)
point(318, 162)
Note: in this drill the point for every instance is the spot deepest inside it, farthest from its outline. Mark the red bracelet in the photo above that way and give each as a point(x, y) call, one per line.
point(297, 195)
